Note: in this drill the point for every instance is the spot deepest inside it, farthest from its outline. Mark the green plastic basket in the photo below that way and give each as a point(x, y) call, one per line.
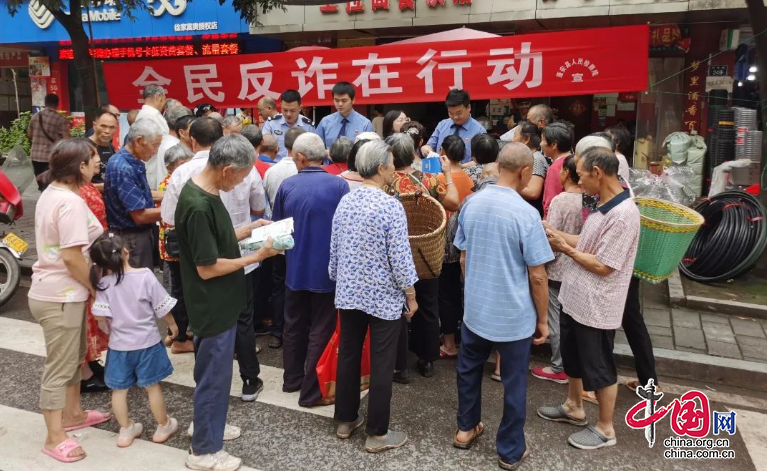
point(667, 231)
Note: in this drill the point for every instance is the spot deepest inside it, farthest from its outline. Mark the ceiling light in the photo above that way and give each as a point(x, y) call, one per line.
point(751, 77)
point(752, 69)
point(740, 84)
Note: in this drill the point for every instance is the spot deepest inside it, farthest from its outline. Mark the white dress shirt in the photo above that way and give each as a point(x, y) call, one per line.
point(155, 167)
point(276, 174)
point(246, 197)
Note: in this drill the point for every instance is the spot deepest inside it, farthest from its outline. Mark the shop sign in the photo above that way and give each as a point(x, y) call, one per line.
point(162, 51)
point(13, 58)
point(34, 23)
point(358, 6)
point(512, 66)
point(695, 88)
point(719, 83)
point(668, 37)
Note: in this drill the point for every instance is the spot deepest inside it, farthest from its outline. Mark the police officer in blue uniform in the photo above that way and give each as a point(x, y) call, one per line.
point(459, 123)
point(290, 117)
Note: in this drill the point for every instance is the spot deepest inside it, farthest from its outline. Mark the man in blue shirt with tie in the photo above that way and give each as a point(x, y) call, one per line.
point(345, 121)
point(278, 125)
point(459, 123)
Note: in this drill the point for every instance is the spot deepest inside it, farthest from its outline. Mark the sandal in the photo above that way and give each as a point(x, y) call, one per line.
point(589, 396)
point(94, 417)
point(443, 355)
point(478, 431)
point(559, 414)
point(62, 450)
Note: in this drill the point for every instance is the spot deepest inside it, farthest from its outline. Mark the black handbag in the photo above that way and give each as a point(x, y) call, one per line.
point(172, 247)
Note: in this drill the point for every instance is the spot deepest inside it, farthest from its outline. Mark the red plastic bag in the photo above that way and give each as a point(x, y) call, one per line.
point(327, 367)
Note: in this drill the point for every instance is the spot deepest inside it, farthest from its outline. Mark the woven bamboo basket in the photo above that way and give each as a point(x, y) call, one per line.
point(426, 223)
point(667, 231)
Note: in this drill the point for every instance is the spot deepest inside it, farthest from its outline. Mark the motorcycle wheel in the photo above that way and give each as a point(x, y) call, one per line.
point(12, 278)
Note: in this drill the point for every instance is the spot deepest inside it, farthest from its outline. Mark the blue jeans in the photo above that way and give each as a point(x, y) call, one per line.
point(213, 375)
point(515, 357)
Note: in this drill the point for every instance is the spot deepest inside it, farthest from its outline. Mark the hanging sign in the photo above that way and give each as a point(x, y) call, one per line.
point(547, 64)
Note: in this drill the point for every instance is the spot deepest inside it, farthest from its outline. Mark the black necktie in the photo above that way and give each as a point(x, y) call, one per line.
point(342, 132)
point(457, 129)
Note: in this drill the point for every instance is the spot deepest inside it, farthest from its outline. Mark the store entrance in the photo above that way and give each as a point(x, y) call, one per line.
point(577, 110)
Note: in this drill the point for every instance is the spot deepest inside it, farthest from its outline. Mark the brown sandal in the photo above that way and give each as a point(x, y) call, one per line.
point(478, 430)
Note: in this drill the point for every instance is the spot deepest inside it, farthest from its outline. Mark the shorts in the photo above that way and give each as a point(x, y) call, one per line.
point(143, 367)
point(587, 353)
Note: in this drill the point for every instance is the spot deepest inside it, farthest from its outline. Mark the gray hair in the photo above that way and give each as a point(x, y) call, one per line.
point(176, 153)
point(234, 150)
point(339, 150)
point(368, 136)
point(173, 114)
point(269, 143)
point(403, 148)
point(514, 157)
point(253, 134)
point(145, 128)
point(371, 156)
point(311, 146)
point(217, 116)
point(601, 157)
point(231, 120)
point(153, 90)
point(173, 103)
point(591, 141)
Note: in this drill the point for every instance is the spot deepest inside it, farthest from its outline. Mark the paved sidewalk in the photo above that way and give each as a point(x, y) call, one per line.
point(25, 227)
point(706, 333)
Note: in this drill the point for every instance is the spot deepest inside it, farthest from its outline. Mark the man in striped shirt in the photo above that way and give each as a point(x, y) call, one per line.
point(594, 288)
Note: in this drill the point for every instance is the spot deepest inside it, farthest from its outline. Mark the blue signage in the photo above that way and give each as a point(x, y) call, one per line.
point(33, 23)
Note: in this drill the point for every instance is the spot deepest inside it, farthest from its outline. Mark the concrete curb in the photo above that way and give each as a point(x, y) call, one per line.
point(695, 366)
point(677, 298)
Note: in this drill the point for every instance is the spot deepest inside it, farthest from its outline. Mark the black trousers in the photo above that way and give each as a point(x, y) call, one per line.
point(179, 310)
point(383, 353)
point(450, 298)
point(278, 294)
point(141, 245)
point(402, 336)
point(310, 320)
point(637, 335)
point(245, 339)
point(424, 325)
point(262, 293)
point(40, 167)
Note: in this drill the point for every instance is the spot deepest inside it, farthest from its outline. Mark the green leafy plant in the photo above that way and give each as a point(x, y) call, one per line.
point(16, 134)
point(77, 128)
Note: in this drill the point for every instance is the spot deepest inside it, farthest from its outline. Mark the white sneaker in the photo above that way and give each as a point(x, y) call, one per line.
point(164, 432)
point(219, 461)
point(127, 435)
point(231, 432)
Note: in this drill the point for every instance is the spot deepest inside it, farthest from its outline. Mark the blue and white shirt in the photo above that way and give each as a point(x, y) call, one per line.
point(126, 189)
point(370, 256)
point(465, 131)
point(330, 127)
point(502, 236)
point(277, 126)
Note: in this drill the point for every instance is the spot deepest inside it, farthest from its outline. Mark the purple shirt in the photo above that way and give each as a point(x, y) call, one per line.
point(133, 305)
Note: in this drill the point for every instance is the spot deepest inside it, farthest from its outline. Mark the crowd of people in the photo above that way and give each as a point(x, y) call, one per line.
point(540, 245)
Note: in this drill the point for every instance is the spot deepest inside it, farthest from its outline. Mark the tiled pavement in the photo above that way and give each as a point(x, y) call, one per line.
point(700, 332)
point(670, 328)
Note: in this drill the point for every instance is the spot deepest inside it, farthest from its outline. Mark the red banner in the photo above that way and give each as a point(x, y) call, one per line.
point(581, 62)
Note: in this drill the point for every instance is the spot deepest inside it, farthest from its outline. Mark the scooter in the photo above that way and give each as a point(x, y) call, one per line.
point(14, 178)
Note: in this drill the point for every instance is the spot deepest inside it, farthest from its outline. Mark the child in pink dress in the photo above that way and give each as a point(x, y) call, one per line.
point(128, 300)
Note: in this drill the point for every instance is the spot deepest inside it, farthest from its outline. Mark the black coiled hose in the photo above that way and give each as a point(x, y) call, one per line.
point(731, 239)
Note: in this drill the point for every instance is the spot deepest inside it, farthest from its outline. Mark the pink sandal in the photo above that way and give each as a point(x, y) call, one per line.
point(95, 417)
point(63, 449)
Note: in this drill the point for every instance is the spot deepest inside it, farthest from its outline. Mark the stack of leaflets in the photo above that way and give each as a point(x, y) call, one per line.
point(280, 231)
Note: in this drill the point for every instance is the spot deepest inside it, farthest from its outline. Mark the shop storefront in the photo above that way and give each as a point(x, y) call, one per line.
point(172, 29)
